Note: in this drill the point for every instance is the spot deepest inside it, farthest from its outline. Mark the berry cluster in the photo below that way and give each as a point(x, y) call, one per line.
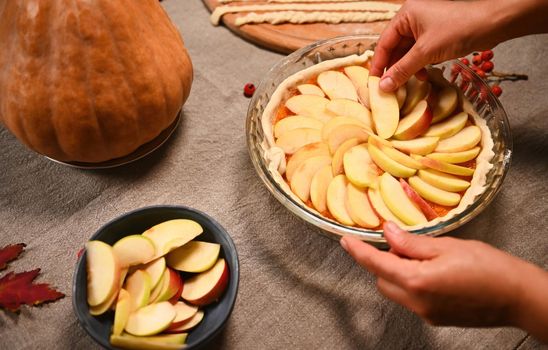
point(481, 63)
point(482, 66)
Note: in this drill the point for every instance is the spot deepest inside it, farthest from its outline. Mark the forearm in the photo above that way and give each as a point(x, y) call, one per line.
point(509, 19)
point(532, 308)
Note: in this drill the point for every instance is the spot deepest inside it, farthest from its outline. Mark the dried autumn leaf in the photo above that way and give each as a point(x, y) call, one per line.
point(9, 253)
point(17, 289)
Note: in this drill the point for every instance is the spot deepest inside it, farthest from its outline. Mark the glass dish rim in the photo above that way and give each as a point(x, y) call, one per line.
point(373, 236)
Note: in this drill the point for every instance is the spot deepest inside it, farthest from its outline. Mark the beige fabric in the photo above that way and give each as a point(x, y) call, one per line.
point(298, 289)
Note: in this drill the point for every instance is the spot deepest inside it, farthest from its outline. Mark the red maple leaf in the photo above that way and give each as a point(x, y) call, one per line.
point(9, 253)
point(17, 289)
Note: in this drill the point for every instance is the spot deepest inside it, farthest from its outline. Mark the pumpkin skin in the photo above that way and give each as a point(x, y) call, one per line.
point(90, 81)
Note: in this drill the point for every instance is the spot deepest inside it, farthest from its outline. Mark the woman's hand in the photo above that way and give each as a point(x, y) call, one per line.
point(433, 31)
point(448, 281)
point(424, 32)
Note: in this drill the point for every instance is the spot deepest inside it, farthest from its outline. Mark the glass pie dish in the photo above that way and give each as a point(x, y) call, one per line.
point(485, 104)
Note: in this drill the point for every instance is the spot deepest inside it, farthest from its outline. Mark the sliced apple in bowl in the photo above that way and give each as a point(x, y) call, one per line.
point(103, 271)
point(134, 250)
point(195, 256)
point(207, 287)
point(172, 234)
point(151, 319)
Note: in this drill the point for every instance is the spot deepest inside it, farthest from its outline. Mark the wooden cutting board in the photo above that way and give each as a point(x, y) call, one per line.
point(286, 38)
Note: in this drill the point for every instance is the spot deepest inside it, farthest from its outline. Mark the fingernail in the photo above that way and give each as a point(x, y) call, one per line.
point(344, 244)
point(387, 84)
point(390, 226)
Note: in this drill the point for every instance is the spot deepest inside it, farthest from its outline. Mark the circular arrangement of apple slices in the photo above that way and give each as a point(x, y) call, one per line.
point(139, 277)
point(361, 156)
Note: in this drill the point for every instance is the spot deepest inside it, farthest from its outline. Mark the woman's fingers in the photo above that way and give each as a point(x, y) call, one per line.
point(383, 264)
point(389, 39)
point(403, 69)
point(410, 245)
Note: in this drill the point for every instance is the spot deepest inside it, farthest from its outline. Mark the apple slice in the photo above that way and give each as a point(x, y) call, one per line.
point(419, 202)
point(309, 106)
point(384, 108)
point(175, 298)
point(134, 250)
point(443, 181)
point(446, 167)
point(154, 293)
point(318, 188)
point(421, 145)
point(417, 90)
point(397, 201)
point(208, 286)
point(456, 157)
point(172, 234)
point(388, 164)
point(380, 207)
point(338, 121)
point(448, 127)
point(359, 208)
point(138, 286)
point(434, 194)
point(345, 132)
point(103, 272)
point(358, 75)
point(359, 167)
point(308, 151)
point(464, 140)
point(337, 161)
point(294, 139)
point(296, 122)
point(171, 284)
point(310, 89)
point(396, 155)
point(337, 85)
point(415, 123)
point(193, 322)
point(401, 95)
point(302, 178)
point(348, 108)
point(447, 101)
point(336, 200)
point(378, 142)
point(159, 342)
point(184, 313)
point(363, 96)
point(195, 256)
point(104, 306)
point(151, 319)
point(155, 269)
point(123, 309)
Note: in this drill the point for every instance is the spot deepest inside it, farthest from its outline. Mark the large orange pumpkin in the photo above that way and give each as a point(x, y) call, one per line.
point(90, 80)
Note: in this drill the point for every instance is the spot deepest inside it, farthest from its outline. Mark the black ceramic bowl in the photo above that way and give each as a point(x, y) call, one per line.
point(216, 314)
